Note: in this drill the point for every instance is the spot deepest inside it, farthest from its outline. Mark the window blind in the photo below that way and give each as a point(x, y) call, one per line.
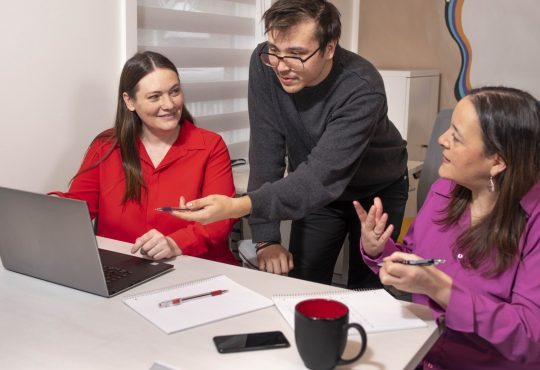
point(210, 42)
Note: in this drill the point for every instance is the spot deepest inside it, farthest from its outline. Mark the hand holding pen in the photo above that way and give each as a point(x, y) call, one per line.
point(181, 208)
point(419, 262)
point(172, 209)
point(410, 273)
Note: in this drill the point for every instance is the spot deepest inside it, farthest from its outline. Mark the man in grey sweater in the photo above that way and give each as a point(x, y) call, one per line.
point(324, 109)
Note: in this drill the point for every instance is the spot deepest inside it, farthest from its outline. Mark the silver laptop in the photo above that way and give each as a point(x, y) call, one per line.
point(52, 238)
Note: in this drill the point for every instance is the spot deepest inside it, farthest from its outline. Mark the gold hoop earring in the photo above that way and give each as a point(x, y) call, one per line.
point(491, 184)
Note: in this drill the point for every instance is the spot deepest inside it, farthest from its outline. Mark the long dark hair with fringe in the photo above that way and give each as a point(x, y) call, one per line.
point(127, 124)
point(510, 123)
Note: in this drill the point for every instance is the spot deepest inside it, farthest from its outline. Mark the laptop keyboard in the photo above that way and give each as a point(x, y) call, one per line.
point(113, 273)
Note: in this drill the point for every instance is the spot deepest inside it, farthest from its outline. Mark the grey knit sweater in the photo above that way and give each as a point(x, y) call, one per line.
point(338, 139)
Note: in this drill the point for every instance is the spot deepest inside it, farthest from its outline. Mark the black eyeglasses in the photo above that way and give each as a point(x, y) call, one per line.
point(294, 63)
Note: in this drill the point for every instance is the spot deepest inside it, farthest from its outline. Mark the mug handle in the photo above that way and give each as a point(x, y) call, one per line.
point(362, 332)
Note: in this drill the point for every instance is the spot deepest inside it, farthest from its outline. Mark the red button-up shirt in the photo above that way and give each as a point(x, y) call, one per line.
point(196, 165)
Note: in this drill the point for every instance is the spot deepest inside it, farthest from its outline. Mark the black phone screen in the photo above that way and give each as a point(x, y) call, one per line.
point(250, 341)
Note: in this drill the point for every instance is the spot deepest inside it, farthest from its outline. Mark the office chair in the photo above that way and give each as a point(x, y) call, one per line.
point(432, 162)
point(247, 254)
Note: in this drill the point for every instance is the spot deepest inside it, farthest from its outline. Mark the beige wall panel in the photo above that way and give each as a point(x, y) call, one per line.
point(412, 34)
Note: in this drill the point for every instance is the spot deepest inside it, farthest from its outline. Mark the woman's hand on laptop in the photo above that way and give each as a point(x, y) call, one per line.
point(156, 246)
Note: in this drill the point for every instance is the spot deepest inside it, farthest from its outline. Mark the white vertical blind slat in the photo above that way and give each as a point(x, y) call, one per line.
point(212, 52)
point(224, 122)
point(242, 1)
point(178, 20)
point(202, 91)
point(202, 57)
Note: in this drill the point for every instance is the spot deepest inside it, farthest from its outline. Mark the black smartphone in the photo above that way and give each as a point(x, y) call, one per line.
point(250, 341)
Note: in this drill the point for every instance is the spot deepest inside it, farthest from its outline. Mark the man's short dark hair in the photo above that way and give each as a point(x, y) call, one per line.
point(284, 14)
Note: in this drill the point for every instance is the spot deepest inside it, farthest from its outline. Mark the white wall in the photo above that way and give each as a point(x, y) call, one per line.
point(59, 68)
point(350, 18)
point(504, 37)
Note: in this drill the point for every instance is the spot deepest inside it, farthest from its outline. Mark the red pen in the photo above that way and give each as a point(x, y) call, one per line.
point(177, 301)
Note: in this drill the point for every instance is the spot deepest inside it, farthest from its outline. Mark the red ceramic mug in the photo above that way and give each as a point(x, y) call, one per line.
point(321, 328)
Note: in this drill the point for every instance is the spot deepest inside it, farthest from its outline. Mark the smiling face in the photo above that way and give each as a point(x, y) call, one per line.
point(464, 158)
point(158, 101)
point(299, 41)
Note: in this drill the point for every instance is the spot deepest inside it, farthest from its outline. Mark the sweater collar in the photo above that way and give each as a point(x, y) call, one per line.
point(324, 86)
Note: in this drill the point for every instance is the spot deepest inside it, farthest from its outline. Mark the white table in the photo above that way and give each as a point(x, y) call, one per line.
point(48, 326)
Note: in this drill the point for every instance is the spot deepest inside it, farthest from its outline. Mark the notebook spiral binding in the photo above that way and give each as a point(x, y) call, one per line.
point(327, 293)
point(172, 287)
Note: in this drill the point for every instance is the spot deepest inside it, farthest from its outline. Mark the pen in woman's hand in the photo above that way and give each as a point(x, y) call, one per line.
point(423, 262)
point(171, 209)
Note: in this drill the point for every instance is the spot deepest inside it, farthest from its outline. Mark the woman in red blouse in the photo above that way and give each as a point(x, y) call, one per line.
point(152, 156)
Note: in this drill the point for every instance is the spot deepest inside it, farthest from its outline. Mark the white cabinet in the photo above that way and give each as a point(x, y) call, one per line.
point(413, 102)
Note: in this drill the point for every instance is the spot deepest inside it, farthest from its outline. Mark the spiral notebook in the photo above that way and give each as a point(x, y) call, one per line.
point(236, 301)
point(376, 310)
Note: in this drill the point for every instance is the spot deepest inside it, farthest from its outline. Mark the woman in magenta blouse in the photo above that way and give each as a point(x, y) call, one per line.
point(483, 218)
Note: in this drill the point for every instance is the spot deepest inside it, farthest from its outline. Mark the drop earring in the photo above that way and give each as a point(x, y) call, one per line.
point(491, 184)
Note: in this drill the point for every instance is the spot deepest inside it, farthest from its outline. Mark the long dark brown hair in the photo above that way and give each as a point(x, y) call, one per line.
point(127, 124)
point(284, 14)
point(510, 123)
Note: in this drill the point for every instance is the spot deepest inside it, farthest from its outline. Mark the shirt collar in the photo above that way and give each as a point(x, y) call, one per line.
point(531, 200)
point(443, 188)
point(189, 138)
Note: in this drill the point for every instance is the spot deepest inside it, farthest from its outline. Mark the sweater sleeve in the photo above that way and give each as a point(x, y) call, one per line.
point(266, 148)
point(196, 239)
point(331, 164)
